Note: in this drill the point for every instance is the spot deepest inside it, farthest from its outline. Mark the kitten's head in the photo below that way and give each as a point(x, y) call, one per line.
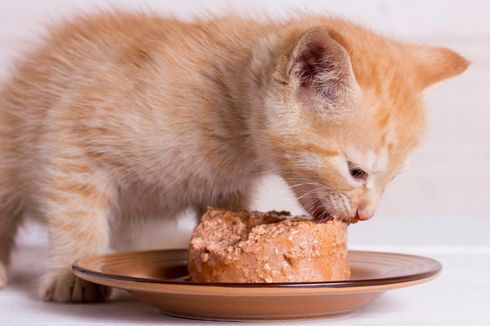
point(343, 112)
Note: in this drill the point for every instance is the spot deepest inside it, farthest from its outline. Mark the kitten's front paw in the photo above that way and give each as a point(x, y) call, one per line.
point(3, 275)
point(62, 286)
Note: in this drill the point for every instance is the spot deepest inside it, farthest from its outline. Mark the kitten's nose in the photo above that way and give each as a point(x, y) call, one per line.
point(364, 214)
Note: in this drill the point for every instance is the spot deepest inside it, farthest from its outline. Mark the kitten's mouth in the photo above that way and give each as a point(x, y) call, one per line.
point(318, 211)
point(321, 213)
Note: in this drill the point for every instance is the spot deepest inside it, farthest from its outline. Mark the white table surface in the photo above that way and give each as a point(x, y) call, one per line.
point(459, 296)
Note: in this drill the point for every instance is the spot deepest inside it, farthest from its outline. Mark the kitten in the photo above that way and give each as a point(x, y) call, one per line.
point(120, 117)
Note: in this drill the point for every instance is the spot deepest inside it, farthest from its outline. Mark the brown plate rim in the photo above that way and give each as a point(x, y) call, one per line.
point(434, 271)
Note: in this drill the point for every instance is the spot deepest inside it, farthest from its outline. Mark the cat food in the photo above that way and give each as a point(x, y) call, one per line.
point(266, 247)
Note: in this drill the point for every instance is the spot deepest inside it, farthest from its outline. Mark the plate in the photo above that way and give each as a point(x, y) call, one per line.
point(159, 278)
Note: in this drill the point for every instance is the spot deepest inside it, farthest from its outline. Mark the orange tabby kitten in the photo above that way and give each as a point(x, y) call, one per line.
point(127, 116)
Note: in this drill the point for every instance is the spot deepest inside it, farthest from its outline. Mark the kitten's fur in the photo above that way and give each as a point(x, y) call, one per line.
point(124, 116)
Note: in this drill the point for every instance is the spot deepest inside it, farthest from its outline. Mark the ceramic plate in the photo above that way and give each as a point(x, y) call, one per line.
point(159, 278)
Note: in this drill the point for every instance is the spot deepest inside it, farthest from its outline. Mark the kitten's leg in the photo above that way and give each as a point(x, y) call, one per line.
point(10, 218)
point(76, 205)
point(234, 202)
point(238, 201)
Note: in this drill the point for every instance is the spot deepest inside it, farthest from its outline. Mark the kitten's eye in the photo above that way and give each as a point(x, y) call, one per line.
point(357, 173)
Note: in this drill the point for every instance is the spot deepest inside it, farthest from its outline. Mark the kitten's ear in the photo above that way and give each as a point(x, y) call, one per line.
point(321, 70)
point(434, 64)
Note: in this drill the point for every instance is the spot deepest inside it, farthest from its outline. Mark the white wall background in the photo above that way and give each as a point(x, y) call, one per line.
point(449, 178)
